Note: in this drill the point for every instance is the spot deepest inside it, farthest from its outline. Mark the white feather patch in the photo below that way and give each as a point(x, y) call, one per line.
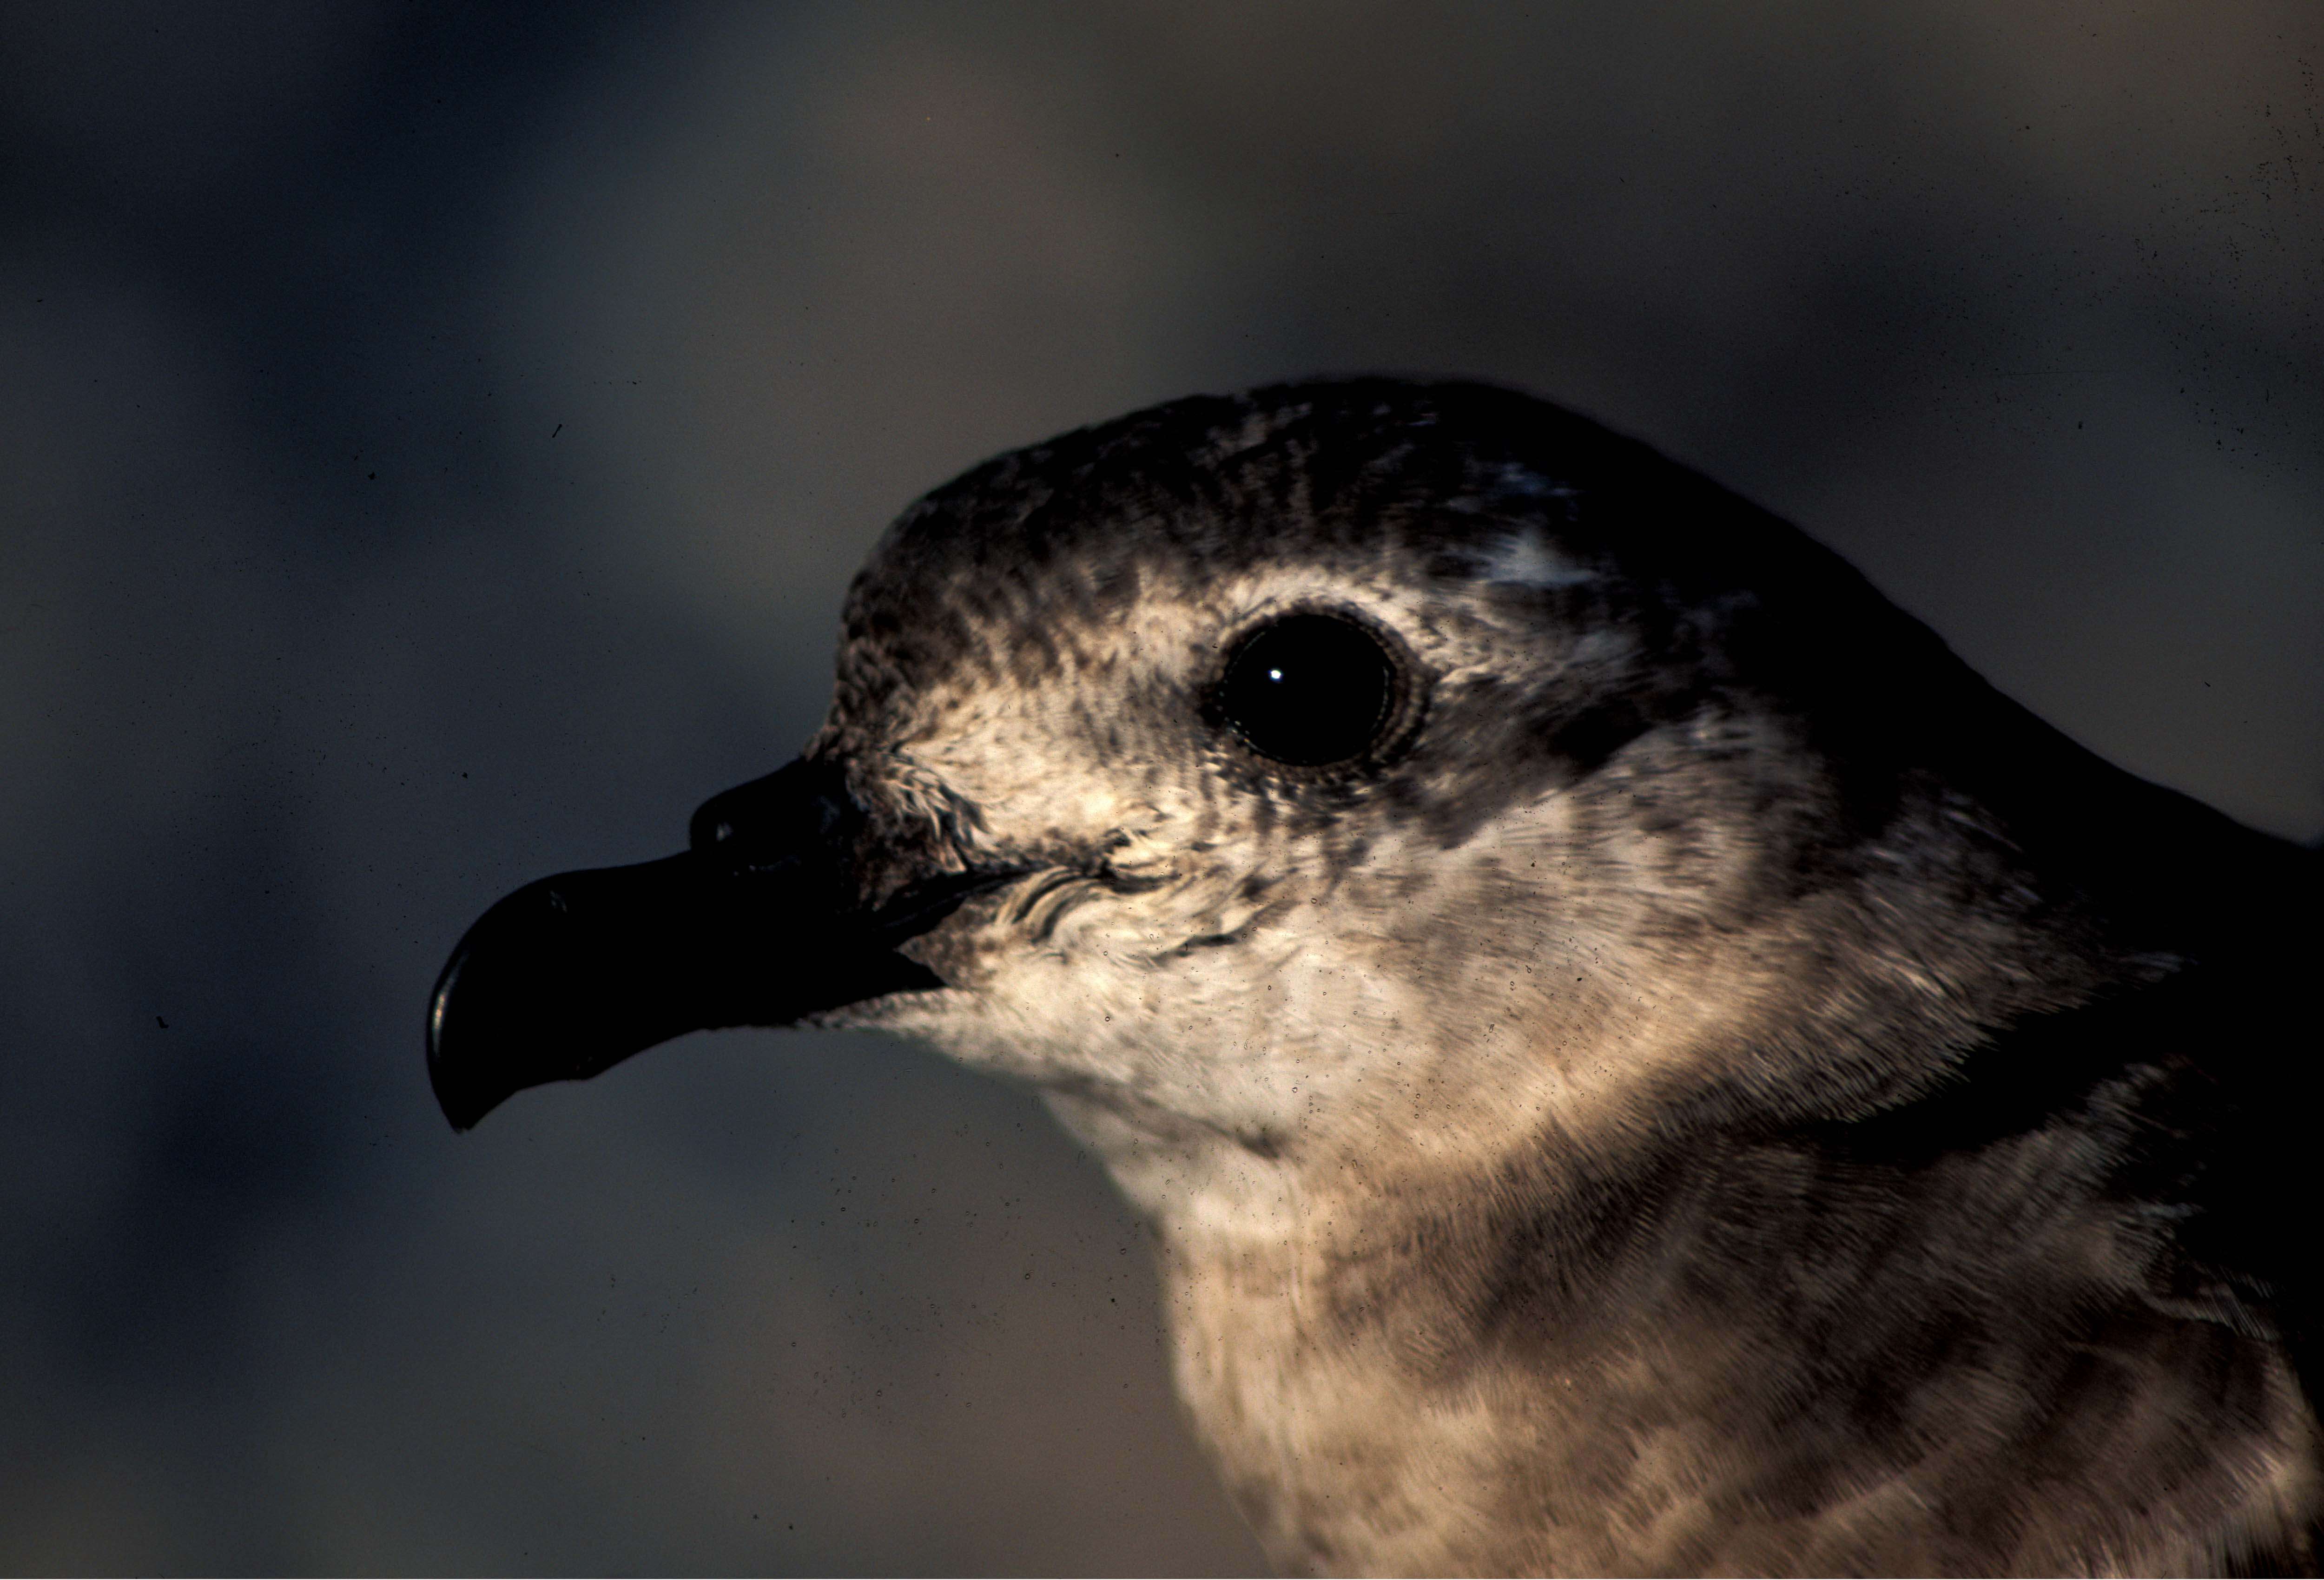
point(1528, 559)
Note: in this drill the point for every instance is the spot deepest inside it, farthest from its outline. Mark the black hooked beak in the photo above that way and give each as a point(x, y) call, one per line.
point(757, 925)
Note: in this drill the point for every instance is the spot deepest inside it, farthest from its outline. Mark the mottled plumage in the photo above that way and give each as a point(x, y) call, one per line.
point(1713, 1086)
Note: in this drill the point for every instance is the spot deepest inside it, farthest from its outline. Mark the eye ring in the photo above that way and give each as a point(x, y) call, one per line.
point(1314, 691)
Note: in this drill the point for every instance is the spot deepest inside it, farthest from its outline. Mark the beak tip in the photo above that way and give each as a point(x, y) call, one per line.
point(463, 1102)
point(462, 1097)
point(463, 1106)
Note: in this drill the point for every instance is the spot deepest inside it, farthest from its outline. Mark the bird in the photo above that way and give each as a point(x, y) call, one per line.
point(1635, 1056)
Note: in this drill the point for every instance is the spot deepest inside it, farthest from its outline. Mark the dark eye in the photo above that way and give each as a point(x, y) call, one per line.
point(1308, 690)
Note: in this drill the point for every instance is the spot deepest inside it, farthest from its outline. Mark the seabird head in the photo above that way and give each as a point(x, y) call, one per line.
point(1337, 767)
point(1373, 813)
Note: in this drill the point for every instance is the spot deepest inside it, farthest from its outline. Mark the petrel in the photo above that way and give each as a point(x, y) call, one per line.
point(1636, 1057)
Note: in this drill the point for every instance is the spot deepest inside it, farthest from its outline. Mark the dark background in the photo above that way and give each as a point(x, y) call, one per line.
point(433, 443)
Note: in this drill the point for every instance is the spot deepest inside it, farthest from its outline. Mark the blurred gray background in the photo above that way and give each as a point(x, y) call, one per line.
point(434, 441)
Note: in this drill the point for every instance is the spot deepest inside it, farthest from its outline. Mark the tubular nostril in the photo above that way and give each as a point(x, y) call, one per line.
point(711, 825)
point(784, 812)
